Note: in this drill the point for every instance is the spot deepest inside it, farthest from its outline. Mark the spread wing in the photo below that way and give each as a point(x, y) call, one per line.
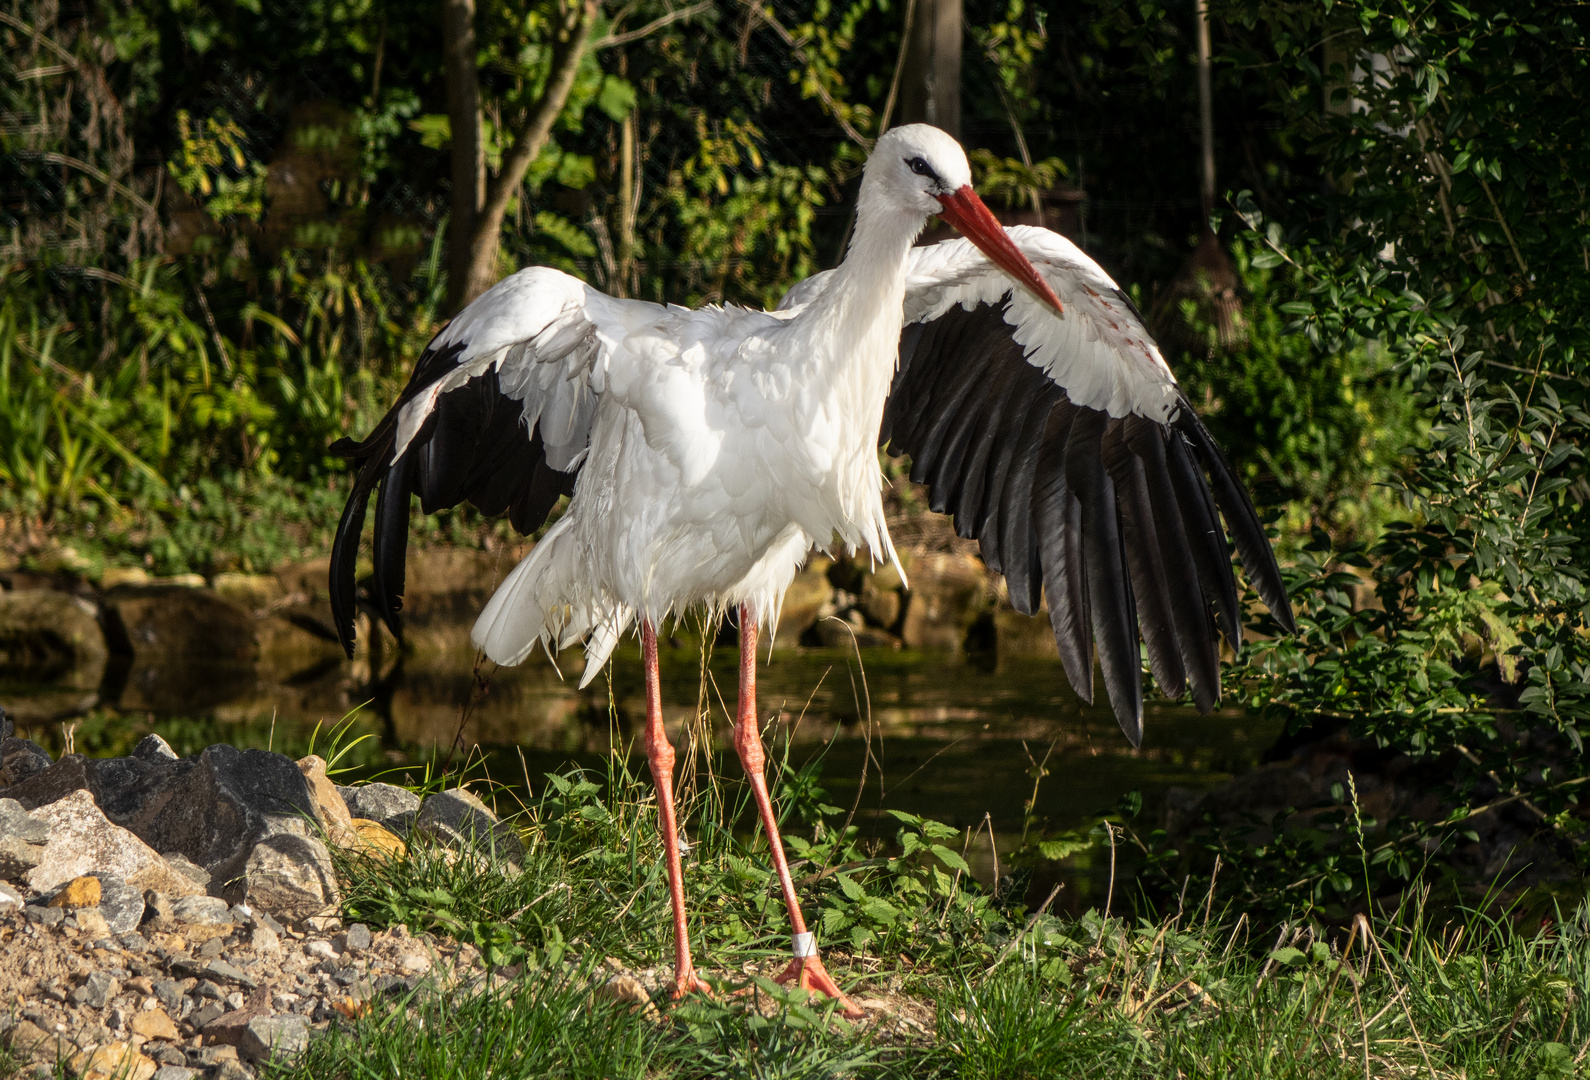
point(1063, 445)
point(497, 413)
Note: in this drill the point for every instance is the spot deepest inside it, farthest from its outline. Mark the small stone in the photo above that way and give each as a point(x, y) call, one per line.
point(133, 941)
point(27, 1039)
point(175, 1072)
point(393, 984)
point(80, 892)
point(45, 916)
point(202, 911)
point(10, 899)
point(169, 991)
point(157, 905)
point(91, 923)
point(116, 1018)
point(220, 969)
point(120, 903)
point(234, 1000)
point(357, 938)
point(139, 984)
point(97, 990)
point(155, 1023)
point(216, 1054)
point(208, 989)
point(265, 940)
point(212, 948)
point(154, 748)
point(204, 1015)
point(274, 1036)
point(320, 949)
point(116, 1059)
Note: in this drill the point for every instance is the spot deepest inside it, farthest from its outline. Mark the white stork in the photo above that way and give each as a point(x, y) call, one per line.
point(707, 451)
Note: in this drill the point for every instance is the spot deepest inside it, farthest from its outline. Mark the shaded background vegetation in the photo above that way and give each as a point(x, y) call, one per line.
point(223, 230)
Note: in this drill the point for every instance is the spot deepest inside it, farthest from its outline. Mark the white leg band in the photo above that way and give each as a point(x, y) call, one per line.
point(805, 945)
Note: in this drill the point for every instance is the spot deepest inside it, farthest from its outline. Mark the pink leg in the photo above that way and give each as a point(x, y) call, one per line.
point(806, 970)
point(660, 755)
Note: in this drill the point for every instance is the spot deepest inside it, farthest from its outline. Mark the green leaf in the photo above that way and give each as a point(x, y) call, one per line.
point(616, 98)
point(951, 859)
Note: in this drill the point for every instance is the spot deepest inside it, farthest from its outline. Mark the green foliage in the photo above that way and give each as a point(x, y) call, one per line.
point(1190, 993)
point(1316, 431)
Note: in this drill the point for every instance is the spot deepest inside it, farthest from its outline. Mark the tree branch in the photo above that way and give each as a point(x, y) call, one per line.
point(527, 146)
point(652, 27)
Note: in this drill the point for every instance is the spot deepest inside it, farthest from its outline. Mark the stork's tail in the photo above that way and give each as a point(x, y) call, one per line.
point(547, 600)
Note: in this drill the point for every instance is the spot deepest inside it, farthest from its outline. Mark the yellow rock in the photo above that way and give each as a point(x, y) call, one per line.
point(78, 893)
point(373, 838)
point(155, 1024)
point(114, 1060)
point(333, 810)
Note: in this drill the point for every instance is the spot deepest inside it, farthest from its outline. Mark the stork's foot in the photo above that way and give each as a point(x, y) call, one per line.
point(687, 982)
point(808, 973)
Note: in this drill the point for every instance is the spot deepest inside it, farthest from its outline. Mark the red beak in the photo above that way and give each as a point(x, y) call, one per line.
point(976, 222)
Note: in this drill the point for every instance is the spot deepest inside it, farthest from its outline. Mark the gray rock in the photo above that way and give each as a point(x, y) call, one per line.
point(97, 990)
point(460, 820)
point(274, 1036)
point(212, 809)
point(290, 875)
point(7, 728)
point(174, 1072)
point(211, 991)
point(47, 636)
point(187, 868)
point(202, 1015)
point(20, 759)
point(202, 911)
point(18, 857)
point(379, 802)
point(154, 748)
point(133, 941)
point(169, 993)
point(220, 969)
point(82, 841)
point(357, 938)
point(15, 822)
point(120, 904)
point(46, 916)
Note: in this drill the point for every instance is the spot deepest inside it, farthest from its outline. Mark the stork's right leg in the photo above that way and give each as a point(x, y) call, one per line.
point(660, 755)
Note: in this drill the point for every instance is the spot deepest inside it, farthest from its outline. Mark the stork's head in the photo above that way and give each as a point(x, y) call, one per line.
point(917, 167)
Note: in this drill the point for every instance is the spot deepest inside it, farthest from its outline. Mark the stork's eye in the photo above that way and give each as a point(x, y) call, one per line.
point(921, 167)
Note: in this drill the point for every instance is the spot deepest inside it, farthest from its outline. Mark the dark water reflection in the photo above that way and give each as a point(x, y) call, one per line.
point(950, 737)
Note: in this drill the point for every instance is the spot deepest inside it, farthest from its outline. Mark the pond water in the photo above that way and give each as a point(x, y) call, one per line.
point(951, 737)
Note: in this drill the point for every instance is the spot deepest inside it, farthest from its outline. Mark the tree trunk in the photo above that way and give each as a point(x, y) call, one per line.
point(468, 154)
point(930, 92)
point(481, 270)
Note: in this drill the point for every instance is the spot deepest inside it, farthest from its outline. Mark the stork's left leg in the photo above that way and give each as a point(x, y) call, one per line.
point(806, 970)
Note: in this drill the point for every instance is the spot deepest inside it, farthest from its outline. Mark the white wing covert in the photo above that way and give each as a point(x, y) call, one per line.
point(1064, 446)
point(497, 413)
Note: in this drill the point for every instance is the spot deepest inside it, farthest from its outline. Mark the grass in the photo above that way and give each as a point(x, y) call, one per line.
point(961, 986)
